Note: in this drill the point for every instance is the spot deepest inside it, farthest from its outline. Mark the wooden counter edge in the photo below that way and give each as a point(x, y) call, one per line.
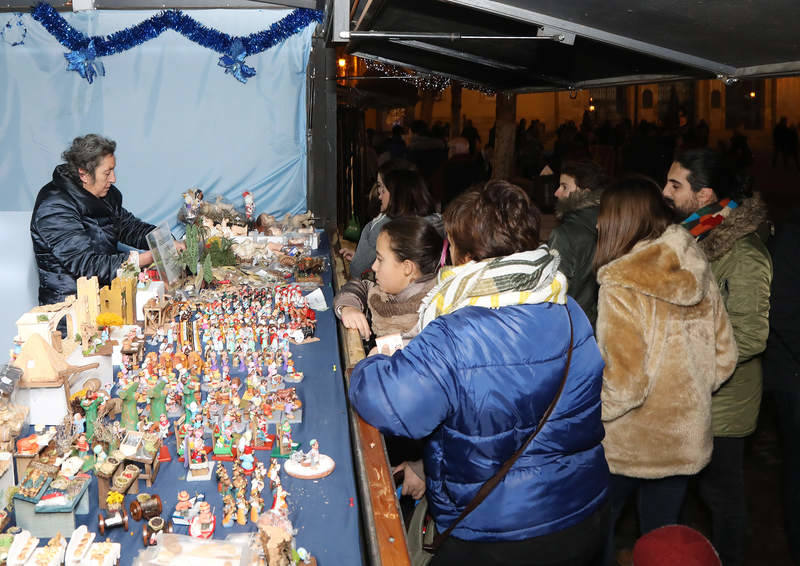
point(387, 544)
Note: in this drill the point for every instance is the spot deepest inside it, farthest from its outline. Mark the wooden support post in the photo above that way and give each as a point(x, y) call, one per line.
point(455, 109)
point(506, 115)
point(426, 112)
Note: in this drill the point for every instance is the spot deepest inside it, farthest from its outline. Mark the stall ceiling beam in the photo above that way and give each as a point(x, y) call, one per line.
point(477, 59)
point(449, 36)
point(771, 70)
point(611, 81)
point(499, 8)
point(26, 5)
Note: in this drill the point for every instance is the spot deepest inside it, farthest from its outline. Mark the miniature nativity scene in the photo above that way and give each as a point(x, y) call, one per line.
point(189, 388)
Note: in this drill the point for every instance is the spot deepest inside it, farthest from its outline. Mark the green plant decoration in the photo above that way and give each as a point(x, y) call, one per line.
point(191, 255)
point(208, 276)
point(221, 252)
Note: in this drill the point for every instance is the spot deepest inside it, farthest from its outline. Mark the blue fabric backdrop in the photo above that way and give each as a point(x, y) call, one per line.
point(178, 119)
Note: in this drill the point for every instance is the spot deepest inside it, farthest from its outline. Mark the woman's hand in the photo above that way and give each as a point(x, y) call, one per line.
point(413, 485)
point(347, 254)
point(354, 318)
point(145, 259)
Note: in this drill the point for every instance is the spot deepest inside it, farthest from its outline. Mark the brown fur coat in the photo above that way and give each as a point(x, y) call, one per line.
point(668, 345)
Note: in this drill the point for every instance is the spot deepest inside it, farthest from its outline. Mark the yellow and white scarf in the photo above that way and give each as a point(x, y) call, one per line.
point(524, 278)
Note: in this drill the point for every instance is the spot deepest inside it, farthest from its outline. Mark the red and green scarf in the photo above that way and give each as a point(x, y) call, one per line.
point(709, 217)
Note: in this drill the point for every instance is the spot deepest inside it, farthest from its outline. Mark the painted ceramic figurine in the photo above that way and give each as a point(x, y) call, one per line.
point(249, 205)
point(157, 398)
point(190, 204)
point(285, 446)
point(273, 474)
point(241, 508)
point(312, 456)
point(163, 426)
point(89, 406)
point(203, 525)
point(256, 505)
point(279, 503)
point(228, 510)
point(184, 502)
point(247, 460)
point(99, 455)
point(77, 422)
point(82, 445)
point(130, 415)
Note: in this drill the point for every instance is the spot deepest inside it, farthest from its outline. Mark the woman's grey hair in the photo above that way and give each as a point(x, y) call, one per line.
point(86, 153)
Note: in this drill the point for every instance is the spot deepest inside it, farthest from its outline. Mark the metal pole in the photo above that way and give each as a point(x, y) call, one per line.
point(452, 36)
point(370, 77)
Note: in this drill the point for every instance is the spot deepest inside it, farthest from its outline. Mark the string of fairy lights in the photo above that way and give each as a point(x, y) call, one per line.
point(430, 82)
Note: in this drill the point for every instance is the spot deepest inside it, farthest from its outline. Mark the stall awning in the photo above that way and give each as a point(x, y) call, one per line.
point(582, 43)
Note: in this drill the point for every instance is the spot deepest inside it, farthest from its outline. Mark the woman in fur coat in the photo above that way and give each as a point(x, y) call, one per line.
point(668, 345)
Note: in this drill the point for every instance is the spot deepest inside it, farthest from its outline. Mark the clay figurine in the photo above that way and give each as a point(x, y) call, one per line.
point(241, 509)
point(130, 415)
point(285, 445)
point(82, 445)
point(184, 502)
point(90, 408)
point(203, 525)
point(157, 398)
point(249, 205)
point(311, 465)
point(78, 422)
point(163, 426)
point(247, 460)
point(256, 505)
point(228, 510)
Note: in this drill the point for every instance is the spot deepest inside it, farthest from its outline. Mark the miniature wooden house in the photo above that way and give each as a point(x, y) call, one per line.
point(44, 320)
point(155, 314)
point(45, 378)
point(120, 298)
point(87, 306)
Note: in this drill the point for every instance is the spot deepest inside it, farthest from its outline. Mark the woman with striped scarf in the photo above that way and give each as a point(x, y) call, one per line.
point(496, 333)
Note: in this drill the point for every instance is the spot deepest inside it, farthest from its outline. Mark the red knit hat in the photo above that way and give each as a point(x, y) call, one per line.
point(674, 544)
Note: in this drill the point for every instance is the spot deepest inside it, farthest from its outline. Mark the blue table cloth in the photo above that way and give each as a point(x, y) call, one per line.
point(324, 512)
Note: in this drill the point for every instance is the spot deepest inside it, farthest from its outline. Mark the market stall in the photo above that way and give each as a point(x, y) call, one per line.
point(322, 504)
point(209, 110)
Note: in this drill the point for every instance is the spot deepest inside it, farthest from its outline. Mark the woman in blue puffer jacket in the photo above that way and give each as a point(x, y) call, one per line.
point(476, 381)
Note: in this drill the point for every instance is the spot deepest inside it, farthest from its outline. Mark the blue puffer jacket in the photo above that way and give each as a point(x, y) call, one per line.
point(477, 381)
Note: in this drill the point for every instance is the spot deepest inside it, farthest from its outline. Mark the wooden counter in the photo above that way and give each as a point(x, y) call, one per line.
point(383, 521)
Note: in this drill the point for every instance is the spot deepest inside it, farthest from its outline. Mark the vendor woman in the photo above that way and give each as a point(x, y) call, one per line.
point(78, 220)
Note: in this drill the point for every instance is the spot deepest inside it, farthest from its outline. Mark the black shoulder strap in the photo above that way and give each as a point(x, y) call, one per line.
point(493, 482)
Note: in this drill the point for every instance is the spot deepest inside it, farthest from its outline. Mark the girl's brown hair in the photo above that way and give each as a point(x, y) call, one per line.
point(495, 220)
point(414, 238)
point(408, 195)
point(631, 210)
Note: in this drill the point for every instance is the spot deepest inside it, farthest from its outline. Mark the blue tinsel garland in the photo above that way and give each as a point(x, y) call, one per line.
point(231, 47)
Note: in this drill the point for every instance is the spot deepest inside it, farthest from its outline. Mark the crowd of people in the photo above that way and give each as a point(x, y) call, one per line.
point(544, 384)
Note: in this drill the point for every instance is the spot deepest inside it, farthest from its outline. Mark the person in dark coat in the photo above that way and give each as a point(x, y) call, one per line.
point(782, 366)
point(575, 238)
point(476, 381)
point(461, 171)
point(78, 220)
